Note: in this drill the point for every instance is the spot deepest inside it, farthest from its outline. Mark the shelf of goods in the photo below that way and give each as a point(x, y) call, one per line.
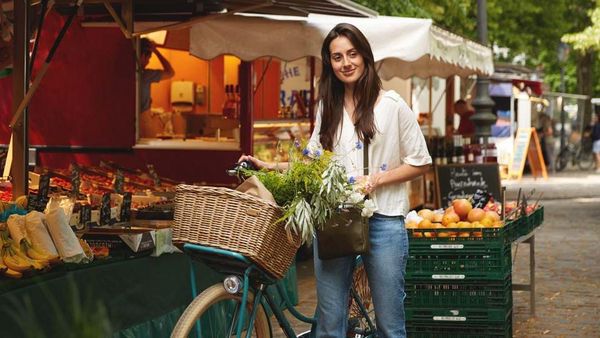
point(458, 279)
point(273, 138)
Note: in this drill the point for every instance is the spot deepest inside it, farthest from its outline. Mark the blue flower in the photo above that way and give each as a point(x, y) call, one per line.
point(297, 143)
point(383, 167)
point(317, 154)
point(351, 180)
point(358, 145)
point(305, 152)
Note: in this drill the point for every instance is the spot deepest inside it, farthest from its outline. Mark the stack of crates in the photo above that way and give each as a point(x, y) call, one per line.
point(459, 286)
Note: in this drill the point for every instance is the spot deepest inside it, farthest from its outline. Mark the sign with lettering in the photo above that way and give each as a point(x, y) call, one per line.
point(463, 180)
point(527, 146)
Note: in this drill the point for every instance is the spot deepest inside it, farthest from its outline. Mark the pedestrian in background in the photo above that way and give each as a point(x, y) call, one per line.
point(464, 110)
point(596, 141)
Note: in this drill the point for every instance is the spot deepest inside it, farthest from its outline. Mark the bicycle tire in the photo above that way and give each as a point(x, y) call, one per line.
point(561, 161)
point(207, 299)
point(585, 160)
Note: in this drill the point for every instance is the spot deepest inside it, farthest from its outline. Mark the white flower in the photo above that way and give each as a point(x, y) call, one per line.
point(355, 197)
point(368, 209)
point(313, 150)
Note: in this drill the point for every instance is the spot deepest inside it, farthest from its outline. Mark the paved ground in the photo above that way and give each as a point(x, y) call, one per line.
point(567, 269)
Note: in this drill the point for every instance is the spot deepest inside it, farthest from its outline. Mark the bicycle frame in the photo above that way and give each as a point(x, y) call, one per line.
point(263, 296)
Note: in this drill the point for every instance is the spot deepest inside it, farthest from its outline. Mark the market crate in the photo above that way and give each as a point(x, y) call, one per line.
point(448, 235)
point(458, 293)
point(459, 330)
point(523, 228)
point(536, 218)
point(459, 260)
point(433, 316)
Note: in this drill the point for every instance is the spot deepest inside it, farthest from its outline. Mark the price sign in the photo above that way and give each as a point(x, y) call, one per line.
point(463, 180)
point(126, 208)
point(85, 215)
point(44, 187)
point(118, 182)
point(75, 180)
point(105, 218)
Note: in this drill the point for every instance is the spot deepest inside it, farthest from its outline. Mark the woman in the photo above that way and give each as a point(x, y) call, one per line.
point(353, 109)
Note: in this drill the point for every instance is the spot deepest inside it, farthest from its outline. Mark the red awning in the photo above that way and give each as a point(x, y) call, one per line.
point(536, 86)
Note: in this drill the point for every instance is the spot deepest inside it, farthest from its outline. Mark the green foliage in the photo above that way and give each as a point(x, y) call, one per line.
point(530, 27)
point(78, 317)
point(311, 189)
point(589, 38)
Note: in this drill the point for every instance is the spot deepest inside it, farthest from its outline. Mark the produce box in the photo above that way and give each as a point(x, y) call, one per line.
point(536, 218)
point(122, 241)
point(459, 260)
point(451, 235)
point(459, 329)
point(427, 293)
point(458, 315)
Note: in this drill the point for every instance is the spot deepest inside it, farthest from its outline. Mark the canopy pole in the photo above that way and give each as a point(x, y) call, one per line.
point(18, 149)
point(311, 106)
point(117, 19)
point(246, 120)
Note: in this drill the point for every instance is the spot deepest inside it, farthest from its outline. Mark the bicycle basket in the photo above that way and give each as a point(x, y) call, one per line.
point(235, 221)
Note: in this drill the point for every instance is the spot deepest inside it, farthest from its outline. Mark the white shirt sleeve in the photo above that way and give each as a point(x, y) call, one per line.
point(413, 148)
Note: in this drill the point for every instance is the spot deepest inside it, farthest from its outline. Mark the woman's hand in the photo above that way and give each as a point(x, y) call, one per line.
point(369, 183)
point(256, 162)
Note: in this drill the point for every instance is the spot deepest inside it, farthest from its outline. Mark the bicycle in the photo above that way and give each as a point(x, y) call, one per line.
point(579, 154)
point(246, 283)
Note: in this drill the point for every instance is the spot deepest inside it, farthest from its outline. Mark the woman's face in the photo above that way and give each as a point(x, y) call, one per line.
point(348, 65)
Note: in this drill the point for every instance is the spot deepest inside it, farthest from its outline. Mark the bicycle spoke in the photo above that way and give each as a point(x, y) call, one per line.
point(233, 326)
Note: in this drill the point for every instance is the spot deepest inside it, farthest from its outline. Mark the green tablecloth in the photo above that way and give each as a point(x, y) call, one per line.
point(142, 297)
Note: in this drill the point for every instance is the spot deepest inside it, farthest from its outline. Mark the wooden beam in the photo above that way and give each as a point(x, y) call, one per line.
point(19, 167)
point(117, 19)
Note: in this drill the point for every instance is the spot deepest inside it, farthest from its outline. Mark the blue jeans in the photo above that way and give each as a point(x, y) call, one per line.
point(385, 265)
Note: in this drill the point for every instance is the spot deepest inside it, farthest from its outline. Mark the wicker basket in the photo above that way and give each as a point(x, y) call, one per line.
point(235, 221)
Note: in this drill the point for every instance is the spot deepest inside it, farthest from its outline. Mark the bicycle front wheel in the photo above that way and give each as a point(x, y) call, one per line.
point(218, 311)
point(585, 160)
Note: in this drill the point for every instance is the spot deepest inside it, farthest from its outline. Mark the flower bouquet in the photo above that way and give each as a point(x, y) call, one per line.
point(313, 187)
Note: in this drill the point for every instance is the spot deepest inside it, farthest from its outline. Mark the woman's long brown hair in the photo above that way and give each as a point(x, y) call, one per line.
point(331, 89)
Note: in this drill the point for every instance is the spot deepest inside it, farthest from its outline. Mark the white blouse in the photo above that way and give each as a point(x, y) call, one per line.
point(398, 140)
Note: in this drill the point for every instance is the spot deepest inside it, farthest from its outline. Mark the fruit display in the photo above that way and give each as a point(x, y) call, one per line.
point(460, 218)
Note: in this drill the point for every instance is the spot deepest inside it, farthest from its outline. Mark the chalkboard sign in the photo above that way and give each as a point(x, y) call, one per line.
point(126, 208)
point(85, 215)
point(118, 182)
point(105, 218)
point(463, 180)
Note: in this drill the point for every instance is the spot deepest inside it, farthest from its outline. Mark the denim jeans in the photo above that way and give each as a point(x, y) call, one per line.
point(385, 265)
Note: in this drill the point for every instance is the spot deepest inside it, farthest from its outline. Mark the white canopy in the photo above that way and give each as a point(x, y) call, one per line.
point(403, 47)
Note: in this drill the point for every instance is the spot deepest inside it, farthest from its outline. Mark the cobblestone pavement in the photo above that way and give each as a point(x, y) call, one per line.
point(567, 275)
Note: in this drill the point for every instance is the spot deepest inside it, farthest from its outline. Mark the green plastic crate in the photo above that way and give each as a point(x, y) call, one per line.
point(459, 330)
point(500, 235)
point(459, 293)
point(519, 227)
point(461, 316)
point(536, 218)
point(466, 260)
